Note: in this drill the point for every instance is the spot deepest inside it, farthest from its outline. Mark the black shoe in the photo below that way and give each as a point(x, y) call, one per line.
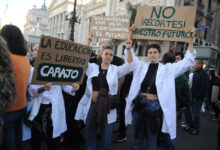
point(120, 138)
point(118, 131)
point(187, 128)
point(194, 132)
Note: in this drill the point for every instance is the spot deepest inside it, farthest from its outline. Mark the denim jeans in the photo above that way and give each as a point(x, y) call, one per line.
point(145, 129)
point(12, 129)
point(196, 107)
point(106, 130)
point(168, 144)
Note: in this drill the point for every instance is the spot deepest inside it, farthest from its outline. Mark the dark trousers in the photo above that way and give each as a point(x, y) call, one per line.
point(218, 138)
point(122, 126)
point(188, 116)
point(39, 137)
point(12, 129)
point(196, 107)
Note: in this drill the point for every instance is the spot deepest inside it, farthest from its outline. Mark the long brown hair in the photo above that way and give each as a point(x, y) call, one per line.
point(7, 89)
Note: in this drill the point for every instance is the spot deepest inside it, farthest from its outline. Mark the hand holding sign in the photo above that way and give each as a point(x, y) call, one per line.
point(47, 87)
point(131, 30)
point(75, 87)
point(128, 44)
point(89, 38)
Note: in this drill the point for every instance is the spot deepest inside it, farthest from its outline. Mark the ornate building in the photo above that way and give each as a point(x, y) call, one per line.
point(36, 24)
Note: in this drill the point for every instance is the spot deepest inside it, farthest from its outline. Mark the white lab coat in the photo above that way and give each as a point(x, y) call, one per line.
point(113, 74)
point(55, 95)
point(165, 84)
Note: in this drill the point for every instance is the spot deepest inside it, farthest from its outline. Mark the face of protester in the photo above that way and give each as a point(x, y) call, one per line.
point(197, 65)
point(153, 55)
point(107, 56)
point(178, 58)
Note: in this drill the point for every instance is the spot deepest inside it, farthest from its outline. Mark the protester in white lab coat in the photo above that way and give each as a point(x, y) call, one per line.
point(48, 113)
point(95, 99)
point(152, 98)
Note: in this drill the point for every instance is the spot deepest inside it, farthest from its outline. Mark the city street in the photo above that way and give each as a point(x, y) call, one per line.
point(206, 140)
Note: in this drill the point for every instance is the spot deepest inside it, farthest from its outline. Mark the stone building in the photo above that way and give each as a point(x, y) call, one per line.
point(36, 24)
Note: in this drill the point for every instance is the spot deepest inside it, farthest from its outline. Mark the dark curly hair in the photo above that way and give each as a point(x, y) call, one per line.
point(169, 57)
point(7, 84)
point(14, 39)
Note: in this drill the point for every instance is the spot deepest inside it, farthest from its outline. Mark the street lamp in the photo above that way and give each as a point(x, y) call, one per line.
point(73, 20)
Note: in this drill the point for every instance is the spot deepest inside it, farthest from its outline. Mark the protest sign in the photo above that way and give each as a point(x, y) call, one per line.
point(109, 27)
point(60, 62)
point(164, 23)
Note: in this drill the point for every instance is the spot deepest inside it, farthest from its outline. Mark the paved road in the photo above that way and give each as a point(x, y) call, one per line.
point(206, 140)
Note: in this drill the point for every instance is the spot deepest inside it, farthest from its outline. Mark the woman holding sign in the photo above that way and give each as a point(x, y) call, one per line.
point(97, 108)
point(151, 102)
point(48, 112)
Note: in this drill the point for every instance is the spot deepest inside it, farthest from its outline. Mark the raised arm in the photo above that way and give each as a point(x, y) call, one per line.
point(190, 44)
point(188, 61)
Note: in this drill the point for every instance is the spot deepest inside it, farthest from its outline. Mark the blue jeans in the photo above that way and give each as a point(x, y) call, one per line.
point(106, 130)
point(168, 144)
point(144, 129)
point(196, 107)
point(12, 129)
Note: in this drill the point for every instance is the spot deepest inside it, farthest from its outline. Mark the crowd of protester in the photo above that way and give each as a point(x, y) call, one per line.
point(151, 95)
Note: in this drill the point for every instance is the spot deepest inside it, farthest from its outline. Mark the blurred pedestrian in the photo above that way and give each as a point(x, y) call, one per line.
point(7, 82)
point(15, 111)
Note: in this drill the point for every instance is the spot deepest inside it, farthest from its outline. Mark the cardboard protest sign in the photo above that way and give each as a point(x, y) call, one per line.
point(164, 23)
point(60, 62)
point(109, 27)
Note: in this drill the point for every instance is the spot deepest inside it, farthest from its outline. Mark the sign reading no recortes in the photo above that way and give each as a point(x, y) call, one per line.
point(60, 62)
point(164, 23)
point(109, 27)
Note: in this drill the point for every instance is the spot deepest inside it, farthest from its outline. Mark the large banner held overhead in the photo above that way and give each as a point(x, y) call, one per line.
point(109, 27)
point(60, 62)
point(164, 23)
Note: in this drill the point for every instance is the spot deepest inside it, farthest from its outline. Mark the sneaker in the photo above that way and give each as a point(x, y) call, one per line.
point(118, 131)
point(183, 124)
point(194, 132)
point(187, 128)
point(120, 139)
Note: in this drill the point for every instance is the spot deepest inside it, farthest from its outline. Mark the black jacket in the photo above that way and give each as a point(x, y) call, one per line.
point(200, 84)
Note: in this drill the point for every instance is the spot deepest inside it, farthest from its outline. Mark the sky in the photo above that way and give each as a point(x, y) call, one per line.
point(18, 9)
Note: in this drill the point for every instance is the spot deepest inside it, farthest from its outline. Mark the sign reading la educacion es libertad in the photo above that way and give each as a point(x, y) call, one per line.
point(60, 61)
point(164, 23)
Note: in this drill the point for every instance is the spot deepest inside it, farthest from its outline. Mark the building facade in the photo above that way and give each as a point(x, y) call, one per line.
point(36, 24)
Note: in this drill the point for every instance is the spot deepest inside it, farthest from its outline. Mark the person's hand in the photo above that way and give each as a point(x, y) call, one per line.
point(89, 38)
point(47, 87)
point(131, 30)
point(128, 44)
point(75, 87)
point(193, 32)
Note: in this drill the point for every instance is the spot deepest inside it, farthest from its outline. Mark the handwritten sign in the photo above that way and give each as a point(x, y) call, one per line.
point(109, 27)
point(164, 23)
point(60, 62)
